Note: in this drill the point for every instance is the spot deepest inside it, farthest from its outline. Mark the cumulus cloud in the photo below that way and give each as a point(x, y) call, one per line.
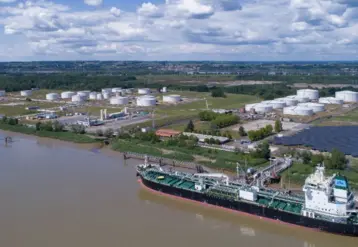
point(187, 29)
point(93, 2)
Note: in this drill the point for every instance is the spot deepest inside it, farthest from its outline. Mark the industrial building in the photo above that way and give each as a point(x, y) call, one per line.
point(167, 133)
point(52, 96)
point(202, 137)
point(347, 96)
point(312, 94)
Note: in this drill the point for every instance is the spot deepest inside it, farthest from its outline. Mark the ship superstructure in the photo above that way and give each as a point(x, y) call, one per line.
point(327, 203)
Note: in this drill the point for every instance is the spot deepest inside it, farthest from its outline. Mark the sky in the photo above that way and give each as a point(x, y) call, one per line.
point(233, 30)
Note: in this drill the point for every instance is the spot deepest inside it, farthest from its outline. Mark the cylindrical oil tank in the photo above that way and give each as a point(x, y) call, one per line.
point(277, 104)
point(347, 96)
point(312, 94)
point(297, 110)
point(146, 101)
point(77, 98)
point(288, 101)
point(99, 96)
point(249, 107)
point(298, 98)
point(171, 98)
point(116, 90)
point(26, 93)
point(316, 107)
point(93, 96)
point(119, 101)
point(330, 100)
point(107, 95)
point(84, 94)
point(52, 96)
point(67, 95)
point(2, 93)
point(143, 91)
point(164, 90)
point(263, 108)
point(106, 90)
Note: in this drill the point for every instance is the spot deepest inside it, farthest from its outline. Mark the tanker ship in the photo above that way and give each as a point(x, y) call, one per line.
point(326, 204)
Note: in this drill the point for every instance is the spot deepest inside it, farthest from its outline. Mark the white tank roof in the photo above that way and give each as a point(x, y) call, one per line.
point(297, 110)
point(312, 94)
point(316, 107)
point(330, 100)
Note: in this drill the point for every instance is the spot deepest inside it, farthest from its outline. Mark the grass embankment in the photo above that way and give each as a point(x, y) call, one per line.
point(298, 172)
point(63, 136)
point(211, 158)
point(20, 107)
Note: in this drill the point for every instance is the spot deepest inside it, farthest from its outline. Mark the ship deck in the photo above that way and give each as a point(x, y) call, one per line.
point(170, 180)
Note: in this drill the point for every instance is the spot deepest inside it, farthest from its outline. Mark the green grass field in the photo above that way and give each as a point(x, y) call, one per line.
point(16, 110)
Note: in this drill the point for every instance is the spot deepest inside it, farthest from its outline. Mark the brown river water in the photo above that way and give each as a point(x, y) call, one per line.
point(55, 194)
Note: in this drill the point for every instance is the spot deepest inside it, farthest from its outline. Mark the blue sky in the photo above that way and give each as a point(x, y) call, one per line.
point(267, 30)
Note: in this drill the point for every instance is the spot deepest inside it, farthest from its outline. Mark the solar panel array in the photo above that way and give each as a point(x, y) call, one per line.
point(343, 138)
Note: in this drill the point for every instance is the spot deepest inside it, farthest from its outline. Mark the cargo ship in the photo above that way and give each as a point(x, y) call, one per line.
point(326, 204)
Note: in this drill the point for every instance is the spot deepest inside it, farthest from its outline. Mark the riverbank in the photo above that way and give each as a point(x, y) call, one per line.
point(64, 136)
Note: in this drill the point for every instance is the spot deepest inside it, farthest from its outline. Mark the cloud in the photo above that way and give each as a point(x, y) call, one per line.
point(93, 2)
point(186, 29)
point(7, 1)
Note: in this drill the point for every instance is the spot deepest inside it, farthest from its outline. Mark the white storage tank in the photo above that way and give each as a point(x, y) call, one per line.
point(288, 101)
point(67, 95)
point(312, 94)
point(276, 104)
point(93, 96)
point(106, 90)
point(298, 98)
point(164, 90)
point(263, 108)
point(52, 96)
point(26, 93)
point(107, 95)
point(2, 93)
point(117, 90)
point(119, 101)
point(171, 98)
point(347, 96)
point(77, 98)
point(143, 91)
point(146, 101)
point(330, 100)
point(84, 94)
point(249, 107)
point(99, 96)
point(297, 110)
point(316, 107)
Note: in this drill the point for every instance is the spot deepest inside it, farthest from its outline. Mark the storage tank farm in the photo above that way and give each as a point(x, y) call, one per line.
point(67, 95)
point(26, 93)
point(106, 90)
point(315, 107)
point(119, 101)
point(312, 94)
point(99, 96)
point(84, 94)
point(107, 95)
point(52, 96)
point(347, 96)
point(2, 93)
point(146, 100)
point(299, 98)
point(298, 111)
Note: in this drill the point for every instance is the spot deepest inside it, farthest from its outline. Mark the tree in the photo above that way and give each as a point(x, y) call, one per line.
point(242, 131)
point(306, 157)
point(218, 92)
point(263, 151)
point(108, 133)
point(190, 127)
point(57, 126)
point(338, 160)
point(47, 126)
point(78, 129)
point(317, 159)
point(278, 126)
point(38, 126)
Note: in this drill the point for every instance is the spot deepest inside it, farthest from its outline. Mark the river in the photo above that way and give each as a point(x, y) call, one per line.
point(55, 194)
